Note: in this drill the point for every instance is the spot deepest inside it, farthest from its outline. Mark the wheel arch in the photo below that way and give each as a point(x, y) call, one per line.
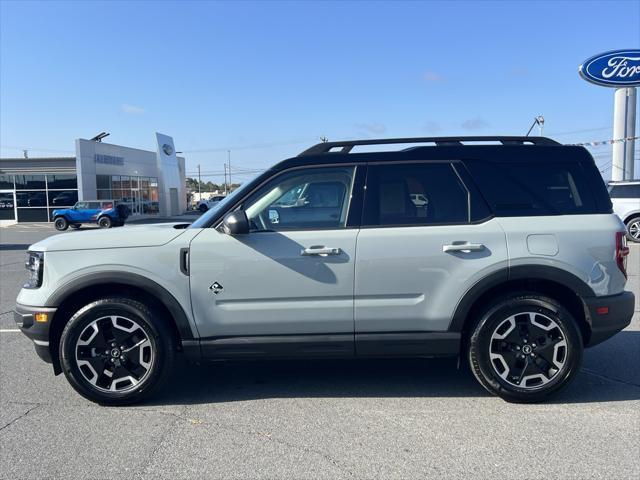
point(631, 215)
point(79, 292)
point(553, 282)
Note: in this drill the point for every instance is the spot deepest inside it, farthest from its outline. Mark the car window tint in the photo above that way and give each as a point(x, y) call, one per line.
point(414, 194)
point(625, 191)
point(313, 198)
point(525, 189)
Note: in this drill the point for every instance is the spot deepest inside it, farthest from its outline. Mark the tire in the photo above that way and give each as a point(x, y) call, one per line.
point(203, 208)
point(105, 222)
point(100, 336)
point(61, 224)
point(76, 226)
point(525, 348)
point(633, 229)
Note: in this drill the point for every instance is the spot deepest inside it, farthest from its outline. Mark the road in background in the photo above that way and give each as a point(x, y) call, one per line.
point(320, 419)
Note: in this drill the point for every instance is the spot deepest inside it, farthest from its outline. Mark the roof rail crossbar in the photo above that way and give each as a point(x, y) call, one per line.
point(347, 145)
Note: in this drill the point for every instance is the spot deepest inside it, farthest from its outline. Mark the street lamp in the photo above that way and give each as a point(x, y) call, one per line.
point(539, 120)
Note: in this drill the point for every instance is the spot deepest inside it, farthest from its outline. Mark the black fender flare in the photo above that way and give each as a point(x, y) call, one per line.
point(65, 291)
point(519, 272)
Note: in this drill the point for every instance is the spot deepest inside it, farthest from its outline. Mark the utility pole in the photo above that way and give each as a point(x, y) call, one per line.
point(199, 185)
point(225, 178)
point(229, 161)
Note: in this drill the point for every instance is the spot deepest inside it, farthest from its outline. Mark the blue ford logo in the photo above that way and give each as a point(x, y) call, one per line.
point(619, 68)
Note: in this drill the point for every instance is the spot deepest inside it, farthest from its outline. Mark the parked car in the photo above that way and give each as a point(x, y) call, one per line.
point(65, 198)
point(625, 197)
point(104, 213)
point(491, 272)
point(205, 205)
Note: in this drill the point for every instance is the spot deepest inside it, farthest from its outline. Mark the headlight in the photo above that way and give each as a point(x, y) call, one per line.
point(35, 267)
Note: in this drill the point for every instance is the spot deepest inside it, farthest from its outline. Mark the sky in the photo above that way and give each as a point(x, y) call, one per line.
point(266, 80)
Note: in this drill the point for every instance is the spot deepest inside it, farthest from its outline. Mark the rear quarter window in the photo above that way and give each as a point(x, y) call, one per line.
point(527, 189)
point(624, 191)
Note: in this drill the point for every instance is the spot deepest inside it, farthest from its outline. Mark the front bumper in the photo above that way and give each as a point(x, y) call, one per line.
point(38, 332)
point(619, 308)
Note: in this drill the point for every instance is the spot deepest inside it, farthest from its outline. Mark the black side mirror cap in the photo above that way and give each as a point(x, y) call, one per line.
point(236, 223)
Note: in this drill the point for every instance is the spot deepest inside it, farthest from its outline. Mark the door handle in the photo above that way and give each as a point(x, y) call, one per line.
point(320, 250)
point(463, 247)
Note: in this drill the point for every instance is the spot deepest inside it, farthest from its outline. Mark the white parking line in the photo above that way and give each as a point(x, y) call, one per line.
point(9, 330)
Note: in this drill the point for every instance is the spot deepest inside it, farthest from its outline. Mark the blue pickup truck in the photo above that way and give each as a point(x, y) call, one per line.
point(106, 213)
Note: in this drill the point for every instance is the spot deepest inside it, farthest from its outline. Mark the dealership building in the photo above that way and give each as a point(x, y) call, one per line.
point(150, 183)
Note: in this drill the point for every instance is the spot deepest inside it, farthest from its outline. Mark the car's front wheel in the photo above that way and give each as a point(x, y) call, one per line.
point(61, 223)
point(203, 208)
point(116, 351)
point(633, 229)
point(525, 348)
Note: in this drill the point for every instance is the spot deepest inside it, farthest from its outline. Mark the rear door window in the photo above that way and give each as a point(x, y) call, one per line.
point(414, 194)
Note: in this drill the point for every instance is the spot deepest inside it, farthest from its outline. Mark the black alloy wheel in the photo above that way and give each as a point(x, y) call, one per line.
point(116, 351)
point(525, 348)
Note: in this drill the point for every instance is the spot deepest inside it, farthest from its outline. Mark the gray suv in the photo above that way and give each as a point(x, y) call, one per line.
point(503, 251)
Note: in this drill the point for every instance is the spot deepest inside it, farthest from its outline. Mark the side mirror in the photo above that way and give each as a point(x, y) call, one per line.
point(236, 223)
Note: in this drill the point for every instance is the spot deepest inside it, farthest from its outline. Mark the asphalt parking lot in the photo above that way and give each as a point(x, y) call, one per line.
point(318, 419)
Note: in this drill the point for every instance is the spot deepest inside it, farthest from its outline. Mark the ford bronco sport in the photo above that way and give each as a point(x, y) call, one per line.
point(503, 251)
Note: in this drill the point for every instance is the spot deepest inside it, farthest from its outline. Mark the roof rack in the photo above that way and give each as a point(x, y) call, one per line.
point(346, 145)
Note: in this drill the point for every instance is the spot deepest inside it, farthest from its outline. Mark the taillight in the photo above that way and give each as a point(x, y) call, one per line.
point(622, 251)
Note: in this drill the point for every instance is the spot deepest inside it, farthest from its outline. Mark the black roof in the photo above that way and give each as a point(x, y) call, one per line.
point(493, 149)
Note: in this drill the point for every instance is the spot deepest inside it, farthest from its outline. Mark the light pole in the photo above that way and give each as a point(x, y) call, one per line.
point(199, 184)
point(539, 120)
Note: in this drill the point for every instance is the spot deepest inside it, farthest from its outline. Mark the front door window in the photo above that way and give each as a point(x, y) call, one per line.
point(309, 199)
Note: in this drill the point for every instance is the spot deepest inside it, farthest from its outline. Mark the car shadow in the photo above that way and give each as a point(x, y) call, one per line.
point(362, 378)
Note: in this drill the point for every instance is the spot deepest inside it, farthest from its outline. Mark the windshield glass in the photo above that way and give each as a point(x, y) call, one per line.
point(213, 211)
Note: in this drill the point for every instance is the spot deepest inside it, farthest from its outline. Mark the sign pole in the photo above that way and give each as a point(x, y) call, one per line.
point(624, 126)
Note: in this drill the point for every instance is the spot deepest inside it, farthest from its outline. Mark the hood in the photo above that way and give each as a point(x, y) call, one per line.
point(119, 237)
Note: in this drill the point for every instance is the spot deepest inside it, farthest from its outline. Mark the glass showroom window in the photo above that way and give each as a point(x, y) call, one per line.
point(37, 195)
point(6, 182)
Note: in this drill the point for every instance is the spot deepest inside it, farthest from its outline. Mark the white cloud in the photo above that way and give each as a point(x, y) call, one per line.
point(432, 127)
point(375, 128)
point(475, 124)
point(433, 77)
point(131, 109)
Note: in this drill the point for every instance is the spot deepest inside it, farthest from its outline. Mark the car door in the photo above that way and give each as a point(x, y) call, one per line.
point(422, 245)
point(292, 275)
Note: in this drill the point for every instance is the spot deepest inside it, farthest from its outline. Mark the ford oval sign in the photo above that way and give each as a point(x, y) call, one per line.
point(619, 68)
point(167, 149)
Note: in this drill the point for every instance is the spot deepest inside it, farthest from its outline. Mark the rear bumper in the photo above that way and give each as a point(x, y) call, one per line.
point(604, 325)
point(37, 332)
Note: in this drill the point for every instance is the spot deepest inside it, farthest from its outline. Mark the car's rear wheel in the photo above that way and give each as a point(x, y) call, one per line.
point(61, 223)
point(105, 222)
point(525, 348)
point(203, 208)
point(116, 351)
point(633, 229)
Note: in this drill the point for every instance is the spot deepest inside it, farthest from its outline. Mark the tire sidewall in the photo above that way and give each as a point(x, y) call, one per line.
point(479, 347)
point(628, 226)
point(158, 337)
point(60, 223)
point(104, 222)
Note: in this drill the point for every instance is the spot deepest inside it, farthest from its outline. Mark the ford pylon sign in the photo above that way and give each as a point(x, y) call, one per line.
point(619, 68)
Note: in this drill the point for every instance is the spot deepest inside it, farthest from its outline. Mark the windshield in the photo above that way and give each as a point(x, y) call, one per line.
point(213, 211)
